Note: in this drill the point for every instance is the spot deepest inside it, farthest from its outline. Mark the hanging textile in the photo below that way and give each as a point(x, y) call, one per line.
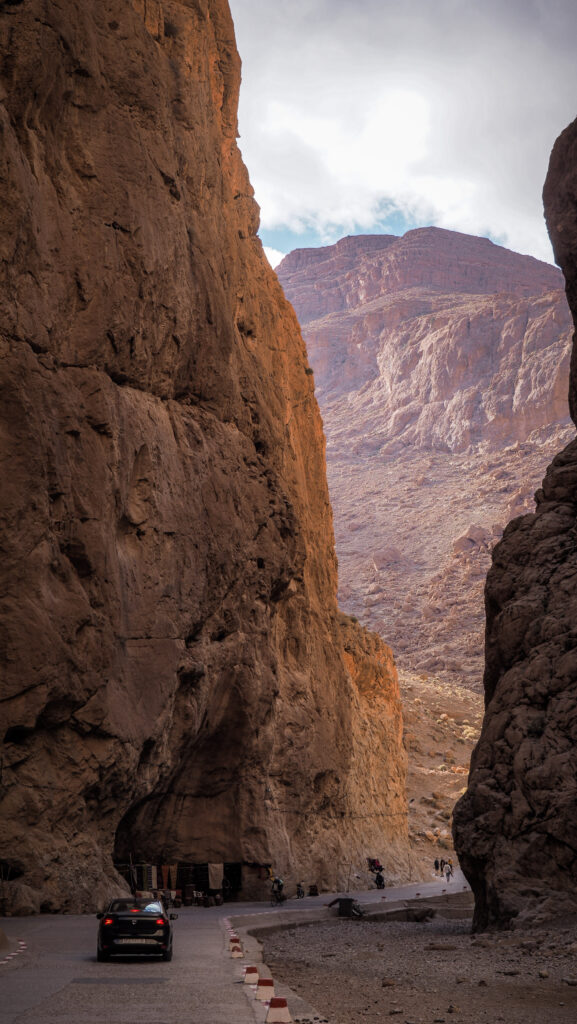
point(215, 873)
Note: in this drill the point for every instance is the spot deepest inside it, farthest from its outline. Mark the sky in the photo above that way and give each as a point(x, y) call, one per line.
point(378, 116)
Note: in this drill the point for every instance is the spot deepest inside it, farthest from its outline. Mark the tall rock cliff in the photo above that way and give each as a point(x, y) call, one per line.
point(440, 364)
point(515, 828)
point(175, 683)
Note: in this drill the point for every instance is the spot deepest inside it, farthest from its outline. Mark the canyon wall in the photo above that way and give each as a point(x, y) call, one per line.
point(515, 829)
point(176, 680)
point(440, 365)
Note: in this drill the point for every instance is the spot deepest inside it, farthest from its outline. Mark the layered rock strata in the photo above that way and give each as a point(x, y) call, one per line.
point(440, 364)
point(175, 684)
point(515, 829)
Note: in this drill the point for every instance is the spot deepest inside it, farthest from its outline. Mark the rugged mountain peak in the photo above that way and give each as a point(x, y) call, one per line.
point(439, 341)
point(365, 268)
point(440, 366)
point(353, 247)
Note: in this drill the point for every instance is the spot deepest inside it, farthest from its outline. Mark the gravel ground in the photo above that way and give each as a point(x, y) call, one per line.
point(429, 973)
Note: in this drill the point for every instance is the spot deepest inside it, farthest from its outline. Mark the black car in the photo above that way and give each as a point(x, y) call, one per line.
point(134, 926)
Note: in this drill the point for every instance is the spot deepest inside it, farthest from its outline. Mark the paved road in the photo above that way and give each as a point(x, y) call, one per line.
point(56, 979)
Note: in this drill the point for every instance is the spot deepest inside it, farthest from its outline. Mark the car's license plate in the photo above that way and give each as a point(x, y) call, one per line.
point(137, 942)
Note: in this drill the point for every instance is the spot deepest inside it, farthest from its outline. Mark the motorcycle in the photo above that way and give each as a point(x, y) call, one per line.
point(379, 880)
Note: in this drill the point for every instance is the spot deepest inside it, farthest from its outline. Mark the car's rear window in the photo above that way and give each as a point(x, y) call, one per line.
point(149, 906)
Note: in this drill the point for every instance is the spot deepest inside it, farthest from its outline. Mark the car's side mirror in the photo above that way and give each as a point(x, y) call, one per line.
point(174, 917)
point(99, 916)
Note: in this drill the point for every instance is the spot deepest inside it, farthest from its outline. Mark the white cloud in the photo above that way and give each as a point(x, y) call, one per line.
point(273, 255)
point(446, 111)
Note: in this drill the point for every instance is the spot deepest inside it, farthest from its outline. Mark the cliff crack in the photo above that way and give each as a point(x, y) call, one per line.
point(117, 227)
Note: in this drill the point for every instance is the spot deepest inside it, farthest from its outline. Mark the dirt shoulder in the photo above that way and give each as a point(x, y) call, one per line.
point(427, 973)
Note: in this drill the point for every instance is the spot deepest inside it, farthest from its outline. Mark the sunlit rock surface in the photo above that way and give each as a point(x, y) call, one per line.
point(440, 365)
point(516, 829)
point(176, 682)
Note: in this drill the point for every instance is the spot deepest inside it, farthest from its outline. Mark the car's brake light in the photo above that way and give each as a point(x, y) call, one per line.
point(134, 910)
point(108, 920)
point(159, 920)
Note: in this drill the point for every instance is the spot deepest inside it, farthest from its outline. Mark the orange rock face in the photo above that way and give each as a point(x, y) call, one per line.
point(174, 684)
point(440, 365)
point(515, 828)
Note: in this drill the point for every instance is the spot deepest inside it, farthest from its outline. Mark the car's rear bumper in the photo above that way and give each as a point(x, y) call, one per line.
point(129, 946)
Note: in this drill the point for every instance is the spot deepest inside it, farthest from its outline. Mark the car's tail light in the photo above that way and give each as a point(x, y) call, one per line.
point(159, 920)
point(108, 920)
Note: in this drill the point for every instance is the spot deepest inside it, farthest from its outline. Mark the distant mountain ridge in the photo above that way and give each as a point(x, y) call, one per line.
point(440, 364)
point(359, 268)
point(438, 339)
